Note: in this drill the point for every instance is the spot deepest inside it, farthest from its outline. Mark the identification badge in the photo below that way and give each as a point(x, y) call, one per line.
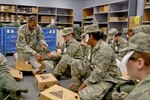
point(65, 50)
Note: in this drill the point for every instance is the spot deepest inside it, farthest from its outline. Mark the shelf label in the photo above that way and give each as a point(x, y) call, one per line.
point(12, 31)
point(8, 31)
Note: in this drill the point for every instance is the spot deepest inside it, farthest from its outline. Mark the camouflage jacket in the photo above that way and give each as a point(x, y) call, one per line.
point(118, 46)
point(73, 49)
point(102, 61)
point(3, 64)
point(27, 39)
point(7, 83)
point(141, 91)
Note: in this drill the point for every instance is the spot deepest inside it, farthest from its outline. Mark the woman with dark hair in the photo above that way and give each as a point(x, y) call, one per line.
point(99, 64)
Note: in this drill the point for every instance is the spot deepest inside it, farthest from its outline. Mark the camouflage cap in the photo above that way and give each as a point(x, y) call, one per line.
point(113, 31)
point(125, 30)
point(90, 29)
point(67, 31)
point(142, 28)
point(139, 42)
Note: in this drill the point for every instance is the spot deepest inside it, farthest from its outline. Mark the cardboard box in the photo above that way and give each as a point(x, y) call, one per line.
point(135, 21)
point(45, 81)
point(58, 93)
point(122, 18)
point(104, 8)
point(112, 19)
point(16, 73)
point(34, 10)
point(45, 19)
point(23, 66)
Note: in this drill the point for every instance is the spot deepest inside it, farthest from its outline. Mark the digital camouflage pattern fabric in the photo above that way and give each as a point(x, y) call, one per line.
point(28, 43)
point(142, 28)
point(139, 42)
point(8, 85)
point(99, 64)
point(73, 49)
point(67, 31)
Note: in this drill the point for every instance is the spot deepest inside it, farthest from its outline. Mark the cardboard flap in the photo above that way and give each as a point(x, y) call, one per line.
point(23, 66)
point(16, 73)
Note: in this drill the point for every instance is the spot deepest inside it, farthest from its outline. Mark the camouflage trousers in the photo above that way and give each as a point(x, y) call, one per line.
point(95, 91)
point(26, 56)
point(63, 65)
point(29, 57)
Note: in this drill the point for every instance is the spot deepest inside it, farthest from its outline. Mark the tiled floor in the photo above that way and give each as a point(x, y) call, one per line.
point(28, 82)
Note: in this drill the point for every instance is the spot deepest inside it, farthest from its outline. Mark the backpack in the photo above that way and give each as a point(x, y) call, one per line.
point(120, 85)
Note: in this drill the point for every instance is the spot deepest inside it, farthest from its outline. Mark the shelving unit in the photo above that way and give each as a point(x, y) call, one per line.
point(101, 16)
point(112, 15)
point(87, 16)
point(60, 16)
point(146, 15)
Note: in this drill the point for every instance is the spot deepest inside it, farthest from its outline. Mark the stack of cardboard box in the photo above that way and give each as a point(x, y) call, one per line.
point(134, 21)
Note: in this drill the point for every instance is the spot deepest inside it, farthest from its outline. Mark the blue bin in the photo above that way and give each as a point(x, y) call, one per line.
point(10, 38)
point(50, 37)
point(1, 40)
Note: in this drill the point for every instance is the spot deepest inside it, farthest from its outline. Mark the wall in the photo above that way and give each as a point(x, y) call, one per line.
point(90, 3)
point(77, 5)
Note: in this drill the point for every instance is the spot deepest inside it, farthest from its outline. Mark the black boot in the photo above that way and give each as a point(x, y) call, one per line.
point(58, 77)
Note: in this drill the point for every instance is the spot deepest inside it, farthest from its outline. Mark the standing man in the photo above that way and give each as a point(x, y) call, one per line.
point(30, 42)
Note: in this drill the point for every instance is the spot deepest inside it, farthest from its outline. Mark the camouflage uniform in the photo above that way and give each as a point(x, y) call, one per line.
point(8, 84)
point(29, 43)
point(122, 43)
point(98, 65)
point(70, 49)
point(142, 89)
point(142, 28)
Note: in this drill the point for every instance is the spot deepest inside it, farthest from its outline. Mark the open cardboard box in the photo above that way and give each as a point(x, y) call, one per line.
point(16, 73)
point(58, 93)
point(23, 66)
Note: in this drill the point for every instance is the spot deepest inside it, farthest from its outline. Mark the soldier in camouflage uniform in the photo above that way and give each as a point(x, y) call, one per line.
point(98, 65)
point(8, 85)
point(117, 43)
point(137, 60)
point(142, 28)
point(30, 41)
point(71, 48)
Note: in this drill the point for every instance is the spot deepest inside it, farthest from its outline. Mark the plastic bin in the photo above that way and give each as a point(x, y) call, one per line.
point(9, 37)
point(50, 37)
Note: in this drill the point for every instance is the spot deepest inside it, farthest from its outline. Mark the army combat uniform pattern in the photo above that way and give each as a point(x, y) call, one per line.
point(29, 43)
point(98, 65)
point(141, 91)
point(118, 46)
point(72, 49)
point(8, 85)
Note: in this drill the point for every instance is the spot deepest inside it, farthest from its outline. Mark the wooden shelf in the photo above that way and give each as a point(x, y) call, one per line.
point(44, 14)
point(121, 11)
point(117, 11)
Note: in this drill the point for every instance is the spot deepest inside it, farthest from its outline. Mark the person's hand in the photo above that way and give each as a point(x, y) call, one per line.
point(38, 56)
point(43, 47)
point(82, 86)
point(52, 54)
point(58, 51)
point(82, 43)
